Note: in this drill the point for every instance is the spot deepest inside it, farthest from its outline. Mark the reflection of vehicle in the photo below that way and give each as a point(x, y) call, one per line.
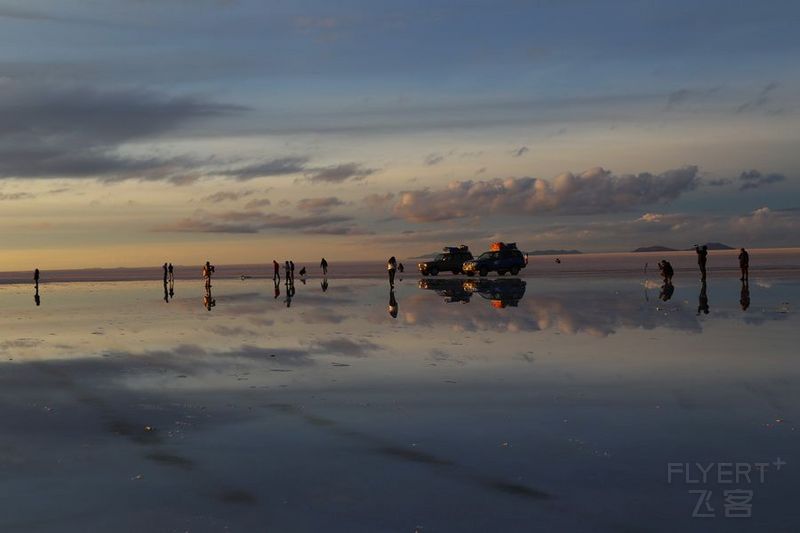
point(501, 259)
point(502, 292)
point(452, 290)
point(451, 260)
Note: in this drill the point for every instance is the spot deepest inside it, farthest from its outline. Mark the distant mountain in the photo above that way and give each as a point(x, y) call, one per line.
point(555, 252)
point(711, 246)
point(655, 249)
point(717, 246)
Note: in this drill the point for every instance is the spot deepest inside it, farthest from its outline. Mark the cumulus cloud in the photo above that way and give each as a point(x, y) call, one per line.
point(247, 222)
point(223, 196)
point(319, 205)
point(594, 191)
point(753, 179)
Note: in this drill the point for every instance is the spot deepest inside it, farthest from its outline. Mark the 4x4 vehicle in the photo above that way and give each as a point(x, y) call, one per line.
point(450, 289)
point(452, 259)
point(501, 259)
point(502, 292)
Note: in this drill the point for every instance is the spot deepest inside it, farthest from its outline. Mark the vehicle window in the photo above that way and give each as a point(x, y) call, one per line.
point(439, 257)
point(488, 255)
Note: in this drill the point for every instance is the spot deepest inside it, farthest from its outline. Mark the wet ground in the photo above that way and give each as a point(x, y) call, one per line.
point(552, 404)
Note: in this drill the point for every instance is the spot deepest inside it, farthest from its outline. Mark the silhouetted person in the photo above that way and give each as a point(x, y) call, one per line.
point(744, 264)
point(36, 297)
point(667, 289)
point(558, 260)
point(166, 276)
point(324, 266)
point(393, 307)
point(171, 273)
point(702, 300)
point(302, 271)
point(291, 269)
point(36, 278)
point(391, 267)
point(208, 270)
point(400, 267)
point(287, 270)
point(666, 270)
point(744, 296)
point(276, 274)
point(702, 258)
point(324, 284)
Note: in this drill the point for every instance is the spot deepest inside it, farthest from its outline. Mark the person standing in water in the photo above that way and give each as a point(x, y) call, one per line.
point(166, 275)
point(702, 258)
point(391, 267)
point(208, 269)
point(744, 265)
point(171, 273)
point(324, 266)
point(276, 271)
point(36, 297)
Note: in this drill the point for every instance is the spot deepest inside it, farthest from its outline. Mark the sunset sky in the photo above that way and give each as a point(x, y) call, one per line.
point(133, 132)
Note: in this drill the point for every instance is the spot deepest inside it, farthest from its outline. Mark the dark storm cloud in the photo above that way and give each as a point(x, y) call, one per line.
point(753, 179)
point(51, 131)
point(594, 191)
point(247, 222)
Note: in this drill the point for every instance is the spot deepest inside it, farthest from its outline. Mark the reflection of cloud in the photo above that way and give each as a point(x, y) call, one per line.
point(594, 191)
point(345, 346)
point(339, 173)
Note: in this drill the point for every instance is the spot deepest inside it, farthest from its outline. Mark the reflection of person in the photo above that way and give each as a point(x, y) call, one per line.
point(393, 306)
point(324, 266)
point(744, 296)
point(277, 288)
point(208, 300)
point(666, 270)
point(702, 300)
point(702, 258)
point(391, 267)
point(324, 284)
point(667, 289)
point(744, 264)
point(166, 292)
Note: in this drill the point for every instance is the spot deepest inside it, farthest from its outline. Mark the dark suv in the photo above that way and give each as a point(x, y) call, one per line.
point(503, 258)
point(452, 259)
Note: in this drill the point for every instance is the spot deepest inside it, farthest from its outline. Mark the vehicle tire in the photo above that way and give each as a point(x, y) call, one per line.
point(456, 272)
point(423, 272)
point(515, 271)
point(484, 272)
point(433, 271)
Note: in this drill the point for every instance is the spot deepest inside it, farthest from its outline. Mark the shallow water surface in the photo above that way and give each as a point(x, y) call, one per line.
point(450, 404)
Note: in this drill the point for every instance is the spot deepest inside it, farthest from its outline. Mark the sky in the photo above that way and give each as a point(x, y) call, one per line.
point(134, 132)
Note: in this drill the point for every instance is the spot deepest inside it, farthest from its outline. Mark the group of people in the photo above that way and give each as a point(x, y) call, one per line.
point(393, 267)
point(667, 272)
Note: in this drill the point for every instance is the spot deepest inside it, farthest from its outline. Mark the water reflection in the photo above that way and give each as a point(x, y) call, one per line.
point(393, 307)
point(501, 292)
point(208, 299)
point(702, 299)
point(744, 295)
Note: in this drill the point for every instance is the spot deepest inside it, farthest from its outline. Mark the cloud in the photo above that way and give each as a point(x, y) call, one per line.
point(433, 159)
point(223, 196)
point(338, 230)
point(753, 179)
point(378, 201)
point(247, 222)
point(681, 96)
point(760, 100)
point(276, 167)
point(52, 131)
point(259, 202)
point(319, 205)
point(339, 173)
point(11, 196)
point(521, 151)
point(594, 191)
